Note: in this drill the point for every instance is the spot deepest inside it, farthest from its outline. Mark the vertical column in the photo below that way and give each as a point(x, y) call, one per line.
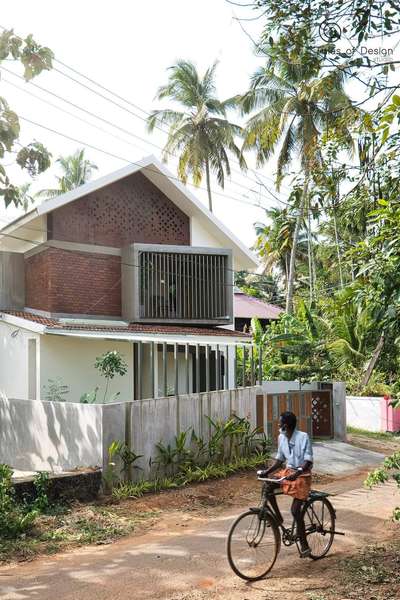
point(226, 386)
point(152, 369)
point(207, 368)
point(140, 370)
point(176, 370)
point(164, 360)
point(187, 357)
point(244, 366)
point(197, 368)
point(217, 368)
point(252, 374)
point(260, 365)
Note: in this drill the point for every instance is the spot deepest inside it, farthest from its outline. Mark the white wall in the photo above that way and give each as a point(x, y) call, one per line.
point(72, 359)
point(364, 412)
point(14, 361)
point(51, 436)
point(200, 236)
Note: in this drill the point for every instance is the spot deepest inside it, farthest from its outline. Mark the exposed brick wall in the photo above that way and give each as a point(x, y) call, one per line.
point(127, 211)
point(61, 281)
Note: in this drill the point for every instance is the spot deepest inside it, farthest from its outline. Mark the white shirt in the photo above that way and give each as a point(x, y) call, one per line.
point(294, 451)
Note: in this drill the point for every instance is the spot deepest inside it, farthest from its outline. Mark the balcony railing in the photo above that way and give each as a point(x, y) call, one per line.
point(182, 284)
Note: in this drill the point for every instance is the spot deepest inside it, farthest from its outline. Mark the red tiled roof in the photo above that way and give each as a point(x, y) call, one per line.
point(126, 328)
point(247, 307)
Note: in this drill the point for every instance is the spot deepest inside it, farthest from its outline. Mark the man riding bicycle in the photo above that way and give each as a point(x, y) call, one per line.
point(294, 448)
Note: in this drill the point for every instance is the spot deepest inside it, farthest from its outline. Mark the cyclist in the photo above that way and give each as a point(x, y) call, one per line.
point(294, 449)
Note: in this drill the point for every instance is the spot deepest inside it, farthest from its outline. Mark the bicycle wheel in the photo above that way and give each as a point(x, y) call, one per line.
point(253, 545)
point(319, 520)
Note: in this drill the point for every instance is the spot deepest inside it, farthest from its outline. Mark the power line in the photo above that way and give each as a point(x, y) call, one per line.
point(119, 105)
point(131, 162)
point(107, 122)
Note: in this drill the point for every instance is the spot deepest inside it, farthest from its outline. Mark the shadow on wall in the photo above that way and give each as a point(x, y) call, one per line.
point(53, 436)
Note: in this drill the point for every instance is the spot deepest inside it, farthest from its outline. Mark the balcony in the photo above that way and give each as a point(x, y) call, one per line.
point(177, 284)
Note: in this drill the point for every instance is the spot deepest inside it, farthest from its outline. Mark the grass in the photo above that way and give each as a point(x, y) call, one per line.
point(375, 435)
point(70, 528)
point(374, 573)
point(189, 475)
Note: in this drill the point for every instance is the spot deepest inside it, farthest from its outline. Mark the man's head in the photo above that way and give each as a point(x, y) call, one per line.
point(287, 422)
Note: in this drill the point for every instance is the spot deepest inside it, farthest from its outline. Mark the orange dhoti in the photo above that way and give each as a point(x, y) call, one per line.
point(299, 488)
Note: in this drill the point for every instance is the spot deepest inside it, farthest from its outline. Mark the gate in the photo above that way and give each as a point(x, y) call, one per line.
point(270, 406)
point(322, 413)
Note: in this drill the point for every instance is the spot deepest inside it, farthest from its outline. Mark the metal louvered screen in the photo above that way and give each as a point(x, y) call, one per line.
point(180, 286)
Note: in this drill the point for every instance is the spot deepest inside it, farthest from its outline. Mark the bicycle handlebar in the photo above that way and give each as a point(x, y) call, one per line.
point(271, 480)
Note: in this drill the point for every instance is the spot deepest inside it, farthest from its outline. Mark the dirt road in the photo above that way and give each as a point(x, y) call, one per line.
point(184, 558)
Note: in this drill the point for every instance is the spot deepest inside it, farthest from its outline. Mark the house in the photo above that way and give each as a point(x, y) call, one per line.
point(247, 307)
point(134, 262)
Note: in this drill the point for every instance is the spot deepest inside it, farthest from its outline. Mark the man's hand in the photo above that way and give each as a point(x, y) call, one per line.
point(263, 473)
point(293, 476)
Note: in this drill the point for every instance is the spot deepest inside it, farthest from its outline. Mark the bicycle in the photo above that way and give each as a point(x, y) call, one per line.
point(255, 537)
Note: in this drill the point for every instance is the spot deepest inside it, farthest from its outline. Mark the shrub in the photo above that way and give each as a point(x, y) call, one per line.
point(14, 518)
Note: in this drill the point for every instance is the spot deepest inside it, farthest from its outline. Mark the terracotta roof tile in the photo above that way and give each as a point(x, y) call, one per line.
point(130, 328)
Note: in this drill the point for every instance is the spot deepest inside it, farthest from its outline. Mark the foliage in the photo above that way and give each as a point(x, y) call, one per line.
point(33, 158)
point(389, 470)
point(109, 365)
point(77, 170)
point(200, 133)
point(192, 474)
point(89, 397)
point(14, 518)
point(55, 390)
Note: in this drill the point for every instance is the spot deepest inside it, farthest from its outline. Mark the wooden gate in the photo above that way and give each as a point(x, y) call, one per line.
point(322, 413)
point(270, 406)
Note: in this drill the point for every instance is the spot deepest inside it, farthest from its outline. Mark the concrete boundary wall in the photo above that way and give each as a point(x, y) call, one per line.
point(364, 412)
point(51, 436)
point(55, 436)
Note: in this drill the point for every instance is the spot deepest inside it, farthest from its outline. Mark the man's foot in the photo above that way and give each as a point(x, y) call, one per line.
point(305, 552)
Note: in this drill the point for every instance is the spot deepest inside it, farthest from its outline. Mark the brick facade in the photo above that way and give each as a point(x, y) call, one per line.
point(127, 211)
point(61, 281)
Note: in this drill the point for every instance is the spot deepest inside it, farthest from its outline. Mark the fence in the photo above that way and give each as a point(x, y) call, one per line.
point(55, 436)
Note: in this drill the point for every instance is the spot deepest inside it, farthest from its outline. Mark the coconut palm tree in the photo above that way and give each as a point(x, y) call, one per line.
point(294, 107)
point(274, 241)
point(199, 133)
point(77, 170)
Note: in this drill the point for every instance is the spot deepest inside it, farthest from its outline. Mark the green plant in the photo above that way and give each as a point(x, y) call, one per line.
point(110, 477)
point(89, 397)
point(41, 485)
point(14, 520)
point(109, 365)
point(128, 457)
point(55, 390)
point(389, 470)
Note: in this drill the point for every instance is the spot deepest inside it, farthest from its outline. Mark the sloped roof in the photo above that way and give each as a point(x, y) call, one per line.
point(162, 178)
point(63, 325)
point(247, 307)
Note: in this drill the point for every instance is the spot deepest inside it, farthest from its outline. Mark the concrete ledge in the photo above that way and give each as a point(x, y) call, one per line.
point(82, 486)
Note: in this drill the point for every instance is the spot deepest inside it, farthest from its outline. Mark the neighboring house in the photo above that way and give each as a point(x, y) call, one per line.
point(133, 262)
point(247, 307)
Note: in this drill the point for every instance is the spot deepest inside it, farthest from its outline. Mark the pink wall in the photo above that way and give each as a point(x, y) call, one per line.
point(390, 417)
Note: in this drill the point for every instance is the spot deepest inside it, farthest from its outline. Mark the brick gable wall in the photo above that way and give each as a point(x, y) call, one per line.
point(127, 211)
point(60, 281)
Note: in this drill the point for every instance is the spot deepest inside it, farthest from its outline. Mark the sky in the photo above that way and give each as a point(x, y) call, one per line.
point(128, 47)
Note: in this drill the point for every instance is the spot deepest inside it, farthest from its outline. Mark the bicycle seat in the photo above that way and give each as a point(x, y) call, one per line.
point(317, 494)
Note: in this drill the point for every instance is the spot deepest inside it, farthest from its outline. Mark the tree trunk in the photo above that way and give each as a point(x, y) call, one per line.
point(373, 361)
point(310, 260)
point(338, 249)
point(292, 264)
point(208, 185)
